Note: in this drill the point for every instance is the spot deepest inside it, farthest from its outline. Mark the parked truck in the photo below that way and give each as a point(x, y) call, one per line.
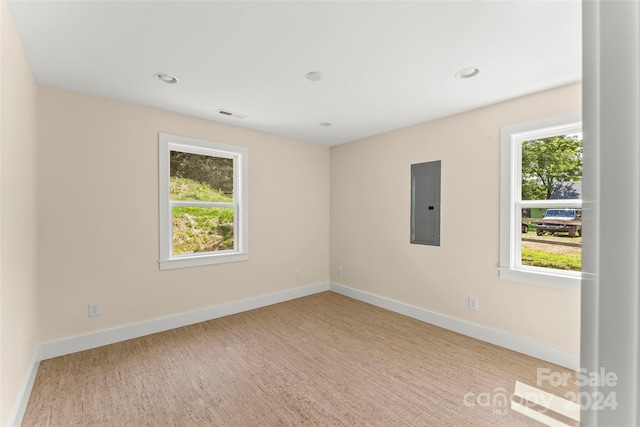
point(560, 221)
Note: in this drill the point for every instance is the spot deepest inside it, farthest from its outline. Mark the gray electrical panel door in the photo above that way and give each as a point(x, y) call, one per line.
point(425, 203)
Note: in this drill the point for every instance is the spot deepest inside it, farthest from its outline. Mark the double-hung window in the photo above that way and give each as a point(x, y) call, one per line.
point(203, 202)
point(541, 202)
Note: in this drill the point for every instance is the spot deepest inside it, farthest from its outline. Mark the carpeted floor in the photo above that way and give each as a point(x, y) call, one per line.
point(320, 360)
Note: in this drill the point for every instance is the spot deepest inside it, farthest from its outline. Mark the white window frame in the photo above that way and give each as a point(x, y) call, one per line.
point(511, 204)
point(240, 252)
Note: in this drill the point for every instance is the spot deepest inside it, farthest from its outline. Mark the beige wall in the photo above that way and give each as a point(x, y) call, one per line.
point(98, 189)
point(18, 222)
point(370, 215)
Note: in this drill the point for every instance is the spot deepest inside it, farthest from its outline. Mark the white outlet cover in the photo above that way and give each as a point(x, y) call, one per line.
point(94, 309)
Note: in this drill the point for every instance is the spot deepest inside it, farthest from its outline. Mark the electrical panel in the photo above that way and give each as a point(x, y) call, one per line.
point(425, 203)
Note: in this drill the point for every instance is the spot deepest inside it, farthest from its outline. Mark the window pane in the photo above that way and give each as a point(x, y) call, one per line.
point(552, 168)
point(198, 177)
point(197, 229)
point(552, 238)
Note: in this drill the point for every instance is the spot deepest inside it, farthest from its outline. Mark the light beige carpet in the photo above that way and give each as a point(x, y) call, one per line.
point(320, 360)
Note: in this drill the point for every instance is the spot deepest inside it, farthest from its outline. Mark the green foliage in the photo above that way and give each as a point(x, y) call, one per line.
point(548, 162)
point(188, 189)
point(200, 229)
point(549, 260)
point(216, 172)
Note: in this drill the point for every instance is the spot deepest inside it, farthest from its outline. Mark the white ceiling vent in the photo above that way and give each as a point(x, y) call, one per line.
point(227, 113)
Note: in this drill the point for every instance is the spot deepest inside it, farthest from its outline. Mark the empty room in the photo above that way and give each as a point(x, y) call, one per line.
point(282, 213)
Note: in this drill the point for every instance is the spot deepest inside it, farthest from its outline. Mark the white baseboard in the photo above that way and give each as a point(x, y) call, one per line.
point(15, 419)
point(109, 336)
point(501, 338)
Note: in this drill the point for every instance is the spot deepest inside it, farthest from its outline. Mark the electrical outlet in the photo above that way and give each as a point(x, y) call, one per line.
point(473, 303)
point(298, 273)
point(94, 309)
point(339, 271)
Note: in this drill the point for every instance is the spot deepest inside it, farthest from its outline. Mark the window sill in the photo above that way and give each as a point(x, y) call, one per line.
point(543, 277)
point(198, 260)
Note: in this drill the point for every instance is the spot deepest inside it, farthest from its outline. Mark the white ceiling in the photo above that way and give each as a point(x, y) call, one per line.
point(387, 64)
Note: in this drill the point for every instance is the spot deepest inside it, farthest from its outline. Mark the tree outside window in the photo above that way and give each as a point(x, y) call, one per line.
point(551, 170)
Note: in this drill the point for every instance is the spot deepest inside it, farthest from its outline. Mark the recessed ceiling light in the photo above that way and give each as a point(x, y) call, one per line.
point(314, 76)
point(167, 78)
point(326, 124)
point(467, 73)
